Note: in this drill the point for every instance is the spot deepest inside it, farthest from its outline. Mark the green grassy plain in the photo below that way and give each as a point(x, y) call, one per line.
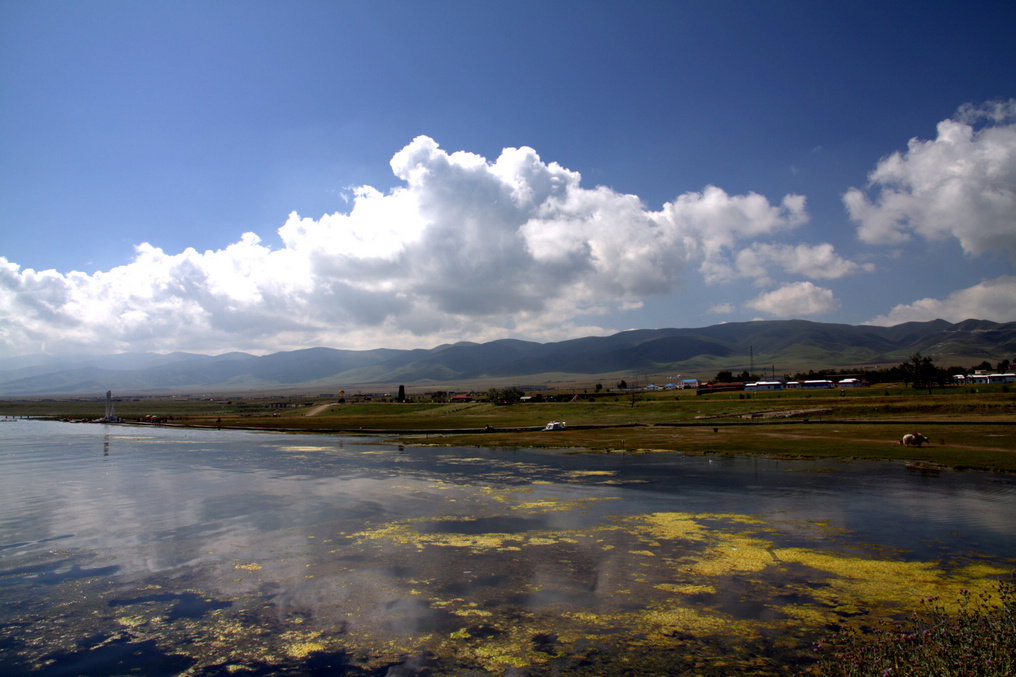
point(967, 427)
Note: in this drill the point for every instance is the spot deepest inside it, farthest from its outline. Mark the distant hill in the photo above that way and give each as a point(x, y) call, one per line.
point(787, 346)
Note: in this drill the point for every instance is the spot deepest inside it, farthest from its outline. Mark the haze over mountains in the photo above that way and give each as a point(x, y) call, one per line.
point(788, 346)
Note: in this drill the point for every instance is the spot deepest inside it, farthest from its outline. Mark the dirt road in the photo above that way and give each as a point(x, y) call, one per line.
point(314, 411)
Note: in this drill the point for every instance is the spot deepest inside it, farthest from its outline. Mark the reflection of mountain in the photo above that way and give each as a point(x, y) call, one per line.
point(790, 345)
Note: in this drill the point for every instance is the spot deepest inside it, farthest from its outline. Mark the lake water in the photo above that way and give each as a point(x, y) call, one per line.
point(162, 551)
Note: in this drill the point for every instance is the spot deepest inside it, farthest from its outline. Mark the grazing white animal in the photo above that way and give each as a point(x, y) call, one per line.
point(913, 440)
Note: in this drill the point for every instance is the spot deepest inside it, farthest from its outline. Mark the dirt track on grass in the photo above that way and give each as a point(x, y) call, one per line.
point(319, 409)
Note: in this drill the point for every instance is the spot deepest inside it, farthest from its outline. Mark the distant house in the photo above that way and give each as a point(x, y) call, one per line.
point(462, 398)
point(850, 383)
point(817, 384)
point(689, 383)
point(991, 378)
point(764, 385)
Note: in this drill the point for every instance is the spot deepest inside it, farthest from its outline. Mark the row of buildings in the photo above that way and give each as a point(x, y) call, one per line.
point(983, 379)
point(817, 384)
point(820, 384)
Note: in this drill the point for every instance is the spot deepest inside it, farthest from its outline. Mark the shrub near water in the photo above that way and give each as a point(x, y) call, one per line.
point(978, 640)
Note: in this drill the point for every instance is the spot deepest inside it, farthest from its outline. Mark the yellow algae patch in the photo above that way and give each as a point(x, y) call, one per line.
point(735, 554)
point(472, 612)
point(396, 532)
point(473, 541)
point(548, 505)
point(540, 505)
point(302, 649)
point(496, 657)
point(296, 448)
point(590, 618)
point(685, 588)
point(591, 473)
point(973, 572)
point(869, 578)
point(863, 581)
point(404, 533)
point(733, 519)
point(511, 646)
point(253, 566)
point(807, 616)
point(684, 619)
point(672, 526)
point(131, 621)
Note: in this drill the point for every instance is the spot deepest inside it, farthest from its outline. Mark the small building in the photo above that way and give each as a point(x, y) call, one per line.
point(817, 384)
point(764, 385)
point(993, 378)
point(689, 383)
point(462, 398)
point(850, 383)
point(984, 379)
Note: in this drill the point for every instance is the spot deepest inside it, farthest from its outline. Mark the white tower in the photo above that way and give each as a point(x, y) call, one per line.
point(109, 406)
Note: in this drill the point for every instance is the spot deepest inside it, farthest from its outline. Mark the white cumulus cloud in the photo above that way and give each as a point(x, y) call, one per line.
point(794, 300)
point(463, 249)
point(816, 262)
point(962, 185)
point(990, 300)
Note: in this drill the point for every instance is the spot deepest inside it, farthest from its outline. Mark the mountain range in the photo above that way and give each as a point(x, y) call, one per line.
point(785, 346)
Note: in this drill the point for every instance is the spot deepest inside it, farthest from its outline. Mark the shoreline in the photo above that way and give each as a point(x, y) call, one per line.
point(957, 445)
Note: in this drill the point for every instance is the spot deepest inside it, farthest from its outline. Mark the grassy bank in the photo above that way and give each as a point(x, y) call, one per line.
point(959, 446)
point(967, 428)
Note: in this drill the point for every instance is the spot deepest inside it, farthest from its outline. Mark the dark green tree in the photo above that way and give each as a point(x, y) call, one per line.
point(923, 372)
point(509, 395)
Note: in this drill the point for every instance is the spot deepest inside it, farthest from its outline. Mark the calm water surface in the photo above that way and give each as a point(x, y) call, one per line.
point(174, 551)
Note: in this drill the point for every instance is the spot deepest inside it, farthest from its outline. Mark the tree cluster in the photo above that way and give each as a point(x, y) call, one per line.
point(919, 371)
point(730, 377)
point(509, 395)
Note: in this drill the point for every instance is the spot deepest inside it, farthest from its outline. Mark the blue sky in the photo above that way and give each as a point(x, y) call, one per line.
point(265, 176)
